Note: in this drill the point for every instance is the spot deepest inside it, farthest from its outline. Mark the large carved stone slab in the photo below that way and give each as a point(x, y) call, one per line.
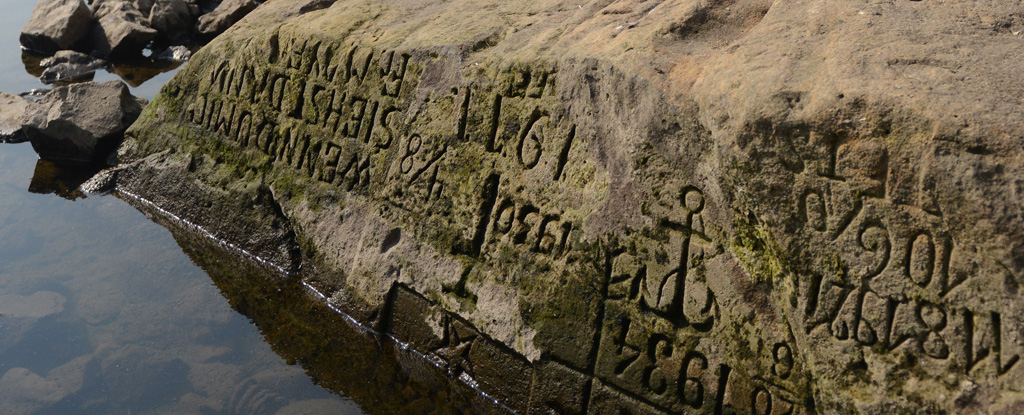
point(630, 207)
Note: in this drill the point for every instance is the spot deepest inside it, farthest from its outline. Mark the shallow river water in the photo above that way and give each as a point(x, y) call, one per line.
point(105, 309)
point(102, 312)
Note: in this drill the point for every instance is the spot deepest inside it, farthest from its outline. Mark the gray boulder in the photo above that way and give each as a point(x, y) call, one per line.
point(81, 122)
point(12, 117)
point(56, 25)
point(225, 15)
point(69, 65)
point(201, 7)
point(122, 29)
point(143, 6)
point(173, 20)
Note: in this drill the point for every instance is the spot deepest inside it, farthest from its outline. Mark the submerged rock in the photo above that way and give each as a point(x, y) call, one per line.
point(81, 122)
point(37, 305)
point(225, 15)
point(122, 29)
point(143, 377)
point(749, 207)
point(56, 25)
point(22, 391)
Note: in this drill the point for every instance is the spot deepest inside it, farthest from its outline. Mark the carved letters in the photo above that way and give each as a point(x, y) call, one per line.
point(352, 118)
point(341, 115)
point(893, 279)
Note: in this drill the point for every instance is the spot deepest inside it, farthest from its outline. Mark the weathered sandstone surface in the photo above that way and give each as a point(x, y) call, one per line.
point(639, 207)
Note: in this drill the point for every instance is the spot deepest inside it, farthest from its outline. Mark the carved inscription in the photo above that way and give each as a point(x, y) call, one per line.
point(523, 224)
point(659, 305)
point(895, 270)
point(666, 277)
point(349, 116)
point(321, 113)
point(512, 119)
point(352, 117)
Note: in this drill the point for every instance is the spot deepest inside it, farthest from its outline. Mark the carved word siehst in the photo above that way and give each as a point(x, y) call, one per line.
point(354, 100)
point(309, 91)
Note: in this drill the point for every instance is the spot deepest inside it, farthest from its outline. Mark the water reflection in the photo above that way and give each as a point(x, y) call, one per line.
point(138, 71)
point(133, 71)
point(61, 179)
point(101, 313)
point(33, 63)
point(377, 373)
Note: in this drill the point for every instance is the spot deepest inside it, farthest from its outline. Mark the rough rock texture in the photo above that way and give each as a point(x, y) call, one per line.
point(81, 122)
point(143, 6)
point(122, 29)
point(56, 25)
point(378, 375)
point(226, 14)
point(634, 207)
point(173, 20)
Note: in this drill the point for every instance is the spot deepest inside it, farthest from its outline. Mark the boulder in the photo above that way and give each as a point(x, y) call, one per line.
point(12, 118)
point(81, 122)
point(143, 6)
point(68, 65)
point(122, 29)
point(225, 15)
point(173, 20)
point(56, 25)
point(744, 206)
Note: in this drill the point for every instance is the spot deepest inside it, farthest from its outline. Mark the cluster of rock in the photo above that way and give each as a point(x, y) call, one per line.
point(78, 123)
point(84, 122)
point(82, 39)
point(111, 28)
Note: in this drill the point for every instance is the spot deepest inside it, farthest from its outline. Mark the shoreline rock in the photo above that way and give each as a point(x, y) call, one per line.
point(80, 122)
point(225, 15)
point(56, 25)
point(121, 29)
point(752, 206)
point(124, 28)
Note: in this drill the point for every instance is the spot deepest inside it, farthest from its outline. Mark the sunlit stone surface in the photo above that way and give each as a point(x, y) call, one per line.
point(630, 207)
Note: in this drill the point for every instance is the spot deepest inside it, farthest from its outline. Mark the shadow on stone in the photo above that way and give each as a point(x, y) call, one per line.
point(33, 62)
